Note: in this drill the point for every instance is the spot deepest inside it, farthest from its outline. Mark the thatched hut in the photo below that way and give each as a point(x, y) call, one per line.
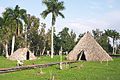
point(22, 54)
point(88, 49)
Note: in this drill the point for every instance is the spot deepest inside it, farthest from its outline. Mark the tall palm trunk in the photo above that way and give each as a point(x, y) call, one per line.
point(52, 49)
point(43, 50)
point(54, 7)
point(113, 46)
point(26, 36)
point(6, 50)
point(18, 30)
point(13, 44)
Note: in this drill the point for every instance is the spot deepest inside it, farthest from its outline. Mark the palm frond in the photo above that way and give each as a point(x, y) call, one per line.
point(61, 14)
point(60, 6)
point(54, 7)
point(22, 11)
point(45, 13)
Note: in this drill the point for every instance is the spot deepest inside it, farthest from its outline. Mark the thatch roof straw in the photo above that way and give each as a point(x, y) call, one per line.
point(92, 50)
point(21, 54)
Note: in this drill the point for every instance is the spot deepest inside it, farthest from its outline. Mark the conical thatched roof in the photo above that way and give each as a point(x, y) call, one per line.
point(89, 49)
point(22, 54)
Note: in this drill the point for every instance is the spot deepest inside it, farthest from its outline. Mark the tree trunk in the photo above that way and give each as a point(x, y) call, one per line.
point(48, 53)
point(43, 50)
point(26, 36)
point(18, 31)
point(13, 44)
point(115, 50)
point(2, 50)
point(113, 46)
point(39, 53)
point(52, 49)
point(6, 50)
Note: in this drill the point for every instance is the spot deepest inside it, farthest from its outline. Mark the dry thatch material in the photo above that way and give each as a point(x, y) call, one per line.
point(22, 54)
point(88, 49)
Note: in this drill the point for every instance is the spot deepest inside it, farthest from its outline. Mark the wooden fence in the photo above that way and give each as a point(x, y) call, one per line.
point(18, 68)
point(115, 56)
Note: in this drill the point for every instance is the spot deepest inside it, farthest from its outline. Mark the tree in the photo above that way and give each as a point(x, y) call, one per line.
point(67, 41)
point(54, 7)
point(57, 43)
point(97, 34)
point(43, 37)
point(79, 37)
point(104, 42)
point(73, 35)
point(4, 34)
point(48, 39)
point(15, 16)
point(33, 35)
point(1, 22)
point(115, 36)
point(102, 39)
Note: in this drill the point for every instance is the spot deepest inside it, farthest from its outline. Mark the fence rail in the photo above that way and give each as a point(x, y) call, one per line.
point(115, 56)
point(13, 69)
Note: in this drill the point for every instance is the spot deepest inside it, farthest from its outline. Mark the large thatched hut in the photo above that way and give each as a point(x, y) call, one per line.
point(22, 54)
point(88, 49)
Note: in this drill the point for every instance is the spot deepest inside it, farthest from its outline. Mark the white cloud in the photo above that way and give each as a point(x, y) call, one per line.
point(113, 19)
point(110, 20)
point(82, 26)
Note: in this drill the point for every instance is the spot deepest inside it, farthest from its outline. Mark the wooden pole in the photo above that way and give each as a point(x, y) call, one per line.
point(60, 58)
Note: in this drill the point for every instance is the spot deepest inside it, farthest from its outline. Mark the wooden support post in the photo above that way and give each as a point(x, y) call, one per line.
point(60, 52)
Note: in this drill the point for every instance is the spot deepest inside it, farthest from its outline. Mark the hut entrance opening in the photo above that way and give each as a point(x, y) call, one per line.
point(81, 56)
point(27, 55)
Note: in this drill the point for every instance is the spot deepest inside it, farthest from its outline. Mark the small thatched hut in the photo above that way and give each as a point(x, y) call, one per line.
point(88, 49)
point(22, 54)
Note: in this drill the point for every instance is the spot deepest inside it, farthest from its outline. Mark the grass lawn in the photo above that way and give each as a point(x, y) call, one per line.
point(5, 63)
point(77, 71)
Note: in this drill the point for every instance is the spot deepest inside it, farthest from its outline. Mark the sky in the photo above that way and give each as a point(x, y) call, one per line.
point(80, 15)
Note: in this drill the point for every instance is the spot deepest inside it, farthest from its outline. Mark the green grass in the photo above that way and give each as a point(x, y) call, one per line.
point(5, 63)
point(77, 71)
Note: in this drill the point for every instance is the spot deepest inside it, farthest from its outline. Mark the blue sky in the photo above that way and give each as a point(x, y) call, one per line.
point(80, 15)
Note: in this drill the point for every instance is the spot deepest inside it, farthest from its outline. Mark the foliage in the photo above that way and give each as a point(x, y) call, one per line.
point(102, 39)
point(67, 40)
point(115, 36)
point(30, 32)
point(33, 37)
point(12, 23)
point(79, 37)
point(54, 7)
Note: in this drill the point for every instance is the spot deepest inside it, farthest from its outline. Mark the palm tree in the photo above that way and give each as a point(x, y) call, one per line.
point(54, 7)
point(15, 15)
point(8, 15)
point(4, 34)
point(19, 15)
point(114, 35)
